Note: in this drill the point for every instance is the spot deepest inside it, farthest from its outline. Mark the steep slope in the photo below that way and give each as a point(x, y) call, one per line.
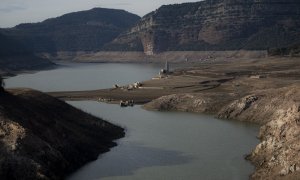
point(14, 56)
point(215, 25)
point(78, 31)
point(44, 138)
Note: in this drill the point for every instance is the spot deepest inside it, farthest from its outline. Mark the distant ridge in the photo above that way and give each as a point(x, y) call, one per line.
point(79, 31)
point(209, 25)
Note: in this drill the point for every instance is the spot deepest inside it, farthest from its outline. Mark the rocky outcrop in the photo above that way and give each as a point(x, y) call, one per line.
point(191, 102)
point(215, 25)
point(277, 110)
point(45, 138)
point(277, 156)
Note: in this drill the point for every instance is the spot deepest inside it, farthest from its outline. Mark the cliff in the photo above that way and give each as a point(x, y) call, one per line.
point(79, 31)
point(45, 138)
point(214, 25)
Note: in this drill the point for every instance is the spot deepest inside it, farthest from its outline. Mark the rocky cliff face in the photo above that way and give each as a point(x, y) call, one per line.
point(44, 138)
point(215, 25)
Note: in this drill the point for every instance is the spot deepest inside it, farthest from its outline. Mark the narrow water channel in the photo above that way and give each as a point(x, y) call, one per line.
point(158, 145)
point(170, 145)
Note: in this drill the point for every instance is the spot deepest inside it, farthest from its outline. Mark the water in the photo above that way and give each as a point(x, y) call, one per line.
point(158, 145)
point(84, 76)
point(169, 145)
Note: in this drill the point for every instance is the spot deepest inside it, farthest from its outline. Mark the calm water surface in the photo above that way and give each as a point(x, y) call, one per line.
point(84, 76)
point(158, 145)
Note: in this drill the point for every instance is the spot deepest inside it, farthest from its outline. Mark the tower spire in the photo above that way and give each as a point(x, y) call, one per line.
point(167, 66)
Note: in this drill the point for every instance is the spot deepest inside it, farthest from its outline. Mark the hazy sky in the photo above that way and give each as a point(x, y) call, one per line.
point(13, 12)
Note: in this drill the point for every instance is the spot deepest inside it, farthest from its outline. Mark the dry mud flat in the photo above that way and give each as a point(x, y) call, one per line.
point(263, 91)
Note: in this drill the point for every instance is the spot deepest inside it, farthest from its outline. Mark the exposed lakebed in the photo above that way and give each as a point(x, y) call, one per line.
point(158, 145)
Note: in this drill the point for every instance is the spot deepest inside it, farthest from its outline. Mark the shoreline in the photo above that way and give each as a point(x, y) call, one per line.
point(262, 91)
point(11, 73)
point(140, 57)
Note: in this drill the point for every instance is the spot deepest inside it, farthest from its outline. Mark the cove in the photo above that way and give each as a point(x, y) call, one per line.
point(158, 145)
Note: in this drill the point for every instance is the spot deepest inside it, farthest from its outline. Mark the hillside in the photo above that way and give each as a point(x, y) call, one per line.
point(16, 57)
point(293, 51)
point(78, 31)
point(45, 138)
point(214, 25)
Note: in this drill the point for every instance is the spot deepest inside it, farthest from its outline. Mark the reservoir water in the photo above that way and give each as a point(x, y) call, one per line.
point(84, 76)
point(158, 145)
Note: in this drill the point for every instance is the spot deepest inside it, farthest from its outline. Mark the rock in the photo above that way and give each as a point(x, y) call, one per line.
point(283, 172)
point(273, 158)
point(297, 168)
point(292, 168)
point(237, 107)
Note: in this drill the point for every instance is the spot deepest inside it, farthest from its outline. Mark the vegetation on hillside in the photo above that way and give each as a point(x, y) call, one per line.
point(285, 51)
point(15, 56)
point(9, 46)
point(78, 31)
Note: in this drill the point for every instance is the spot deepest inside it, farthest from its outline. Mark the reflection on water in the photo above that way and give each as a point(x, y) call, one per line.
point(128, 159)
point(84, 76)
point(170, 145)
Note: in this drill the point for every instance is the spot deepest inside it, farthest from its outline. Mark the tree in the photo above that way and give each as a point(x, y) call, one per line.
point(1, 84)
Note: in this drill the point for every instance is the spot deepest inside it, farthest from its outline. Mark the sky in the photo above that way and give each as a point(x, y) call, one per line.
point(13, 12)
